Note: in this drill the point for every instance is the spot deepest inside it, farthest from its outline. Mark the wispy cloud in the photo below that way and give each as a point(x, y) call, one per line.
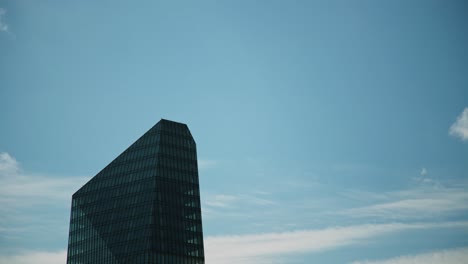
point(255, 198)
point(460, 127)
point(269, 247)
point(37, 257)
point(220, 200)
point(3, 25)
point(206, 164)
point(451, 256)
point(21, 188)
point(8, 164)
point(423, 172)
point(265, 248)
point(22, 193)
point(428, 200)
point(239, 205)
point(258, 200)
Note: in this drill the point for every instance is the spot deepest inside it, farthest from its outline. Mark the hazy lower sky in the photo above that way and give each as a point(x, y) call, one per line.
point(327, 131)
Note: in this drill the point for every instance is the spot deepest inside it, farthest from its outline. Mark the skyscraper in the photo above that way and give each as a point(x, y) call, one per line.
point(144, 207)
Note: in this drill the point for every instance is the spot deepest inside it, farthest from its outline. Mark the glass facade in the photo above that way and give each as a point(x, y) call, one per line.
point(144, 207)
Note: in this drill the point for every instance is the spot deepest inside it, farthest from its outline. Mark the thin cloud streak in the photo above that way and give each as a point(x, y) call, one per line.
point(223, 205)
point(235, 201)
point(429, 200)
point(37, 257)
point(221, 200)
point(264, 248)
point(3, 25)
point(452, 256)
point(204, 164)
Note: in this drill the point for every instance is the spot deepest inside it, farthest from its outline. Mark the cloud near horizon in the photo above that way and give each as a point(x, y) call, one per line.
point(450, 256)
point(267, 247)
point(22, 193)
point(37, 257)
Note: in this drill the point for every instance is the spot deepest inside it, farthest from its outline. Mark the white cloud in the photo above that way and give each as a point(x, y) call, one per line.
point(240, 205)
point(36, 257)
point(239, 200)
point(22, 192)
point(431, 199)
point(256, 200)
point(3, 25)
point(452, 256)
point(19, 187)
point(206, 164)
point(265, 248)
point(8, 164)
point(220, 200)
point(460, 127)
point(268, 247)
point(423, 172)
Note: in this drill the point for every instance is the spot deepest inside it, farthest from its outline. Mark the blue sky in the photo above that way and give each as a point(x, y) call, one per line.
point(327, 131)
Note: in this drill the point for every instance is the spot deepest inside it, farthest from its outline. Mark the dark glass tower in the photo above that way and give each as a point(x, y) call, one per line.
point(144, 207)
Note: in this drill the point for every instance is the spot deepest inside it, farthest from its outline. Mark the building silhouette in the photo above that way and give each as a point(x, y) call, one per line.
point(144, 207)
